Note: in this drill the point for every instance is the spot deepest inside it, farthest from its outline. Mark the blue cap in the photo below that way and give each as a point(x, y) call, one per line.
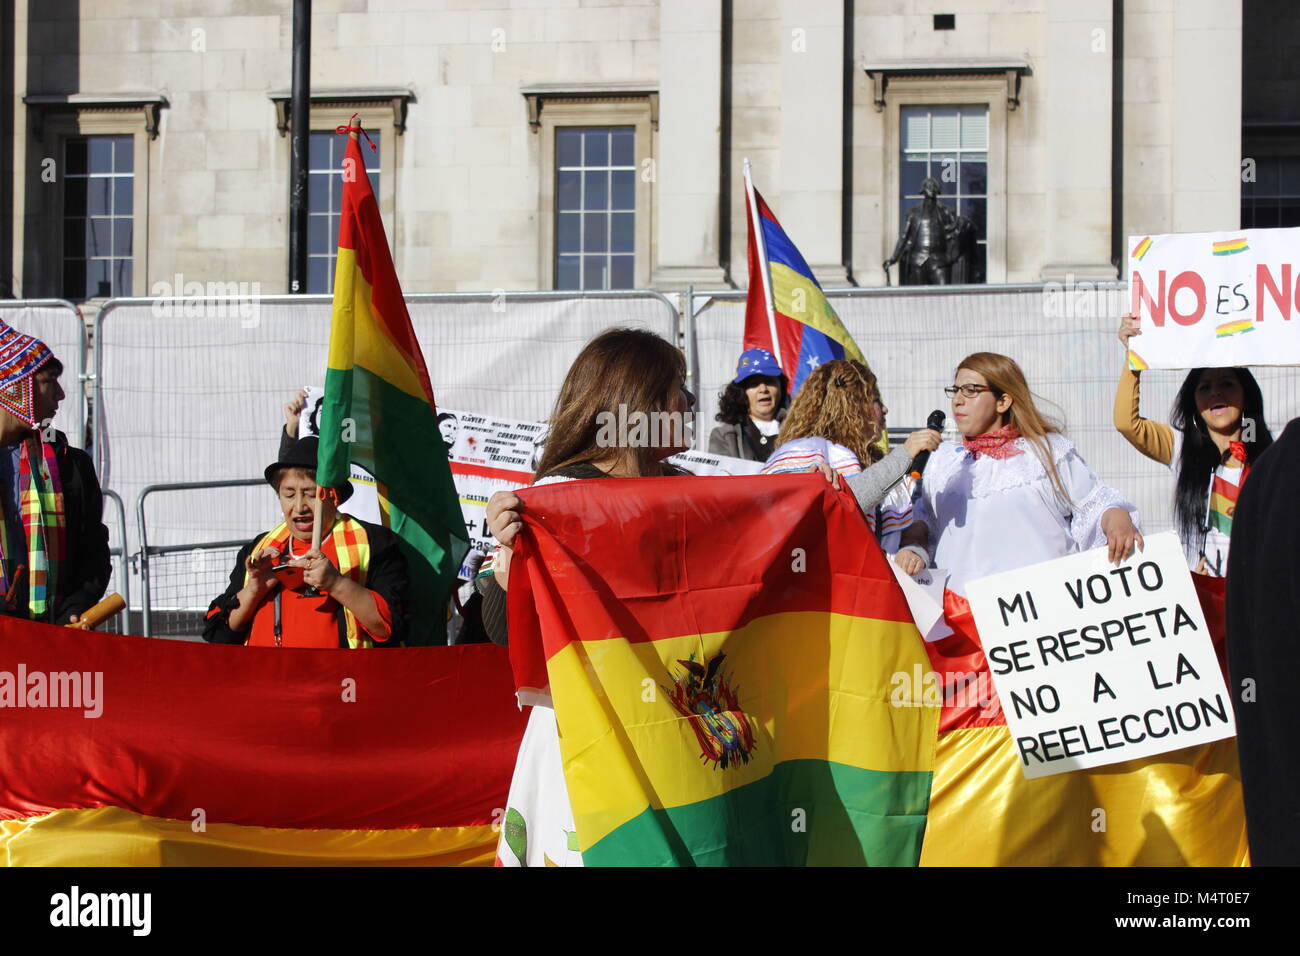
point(756, 362)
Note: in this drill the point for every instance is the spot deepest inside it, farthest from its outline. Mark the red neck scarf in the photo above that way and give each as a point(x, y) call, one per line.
point(998, 443)
point(1238, 451)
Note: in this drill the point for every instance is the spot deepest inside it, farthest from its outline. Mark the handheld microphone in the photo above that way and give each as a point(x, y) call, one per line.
point(935, 424)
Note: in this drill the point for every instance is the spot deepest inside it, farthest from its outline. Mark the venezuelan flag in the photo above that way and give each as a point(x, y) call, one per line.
point(1230, 247)
point(205, 755)
point(379, 410)
point(786, 311)
point(731, 695)
point(1234, 328)
point(1182, 808)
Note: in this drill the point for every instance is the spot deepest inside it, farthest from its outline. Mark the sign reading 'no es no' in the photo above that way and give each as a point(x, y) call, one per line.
point(1214, 299)
point(1096, 664)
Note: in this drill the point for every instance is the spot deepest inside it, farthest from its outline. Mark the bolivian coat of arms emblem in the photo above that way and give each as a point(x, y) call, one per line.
point(703, 696)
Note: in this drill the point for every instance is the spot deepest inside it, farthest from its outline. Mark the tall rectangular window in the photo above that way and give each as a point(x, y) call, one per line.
point(950, 145)
point(1272, 197)
point(325, 201)
point(595, 207)
point(98, 200)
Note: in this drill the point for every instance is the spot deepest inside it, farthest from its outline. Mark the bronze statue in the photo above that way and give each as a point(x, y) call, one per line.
point(936, 246)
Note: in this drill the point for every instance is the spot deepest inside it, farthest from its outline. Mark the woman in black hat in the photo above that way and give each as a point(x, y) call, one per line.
point(348, 594)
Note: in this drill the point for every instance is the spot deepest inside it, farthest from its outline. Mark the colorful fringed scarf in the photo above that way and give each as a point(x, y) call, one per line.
point(351, 555)
point(40, 497)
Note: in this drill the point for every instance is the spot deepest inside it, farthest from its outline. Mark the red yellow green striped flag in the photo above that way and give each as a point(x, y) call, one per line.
point(379, 410)
point(722, 655)
point(123, 751)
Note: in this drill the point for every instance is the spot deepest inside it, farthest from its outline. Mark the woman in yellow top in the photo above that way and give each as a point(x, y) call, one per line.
point(1217, 432)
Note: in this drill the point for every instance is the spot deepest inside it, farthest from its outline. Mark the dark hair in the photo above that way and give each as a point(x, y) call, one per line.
point(733, 403)
point(630, 367)
point(52, 364)
point(1200, 456)
point(277, 476)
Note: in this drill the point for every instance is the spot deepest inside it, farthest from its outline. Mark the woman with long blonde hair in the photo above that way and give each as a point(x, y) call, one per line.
point(838, 422)
point(1014, 492)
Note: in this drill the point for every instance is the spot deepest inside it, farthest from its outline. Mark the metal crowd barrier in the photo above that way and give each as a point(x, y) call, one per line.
point(209, 562)
point(122, 581)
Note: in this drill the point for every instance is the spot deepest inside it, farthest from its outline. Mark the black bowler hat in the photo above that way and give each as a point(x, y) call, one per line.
point(302, 454)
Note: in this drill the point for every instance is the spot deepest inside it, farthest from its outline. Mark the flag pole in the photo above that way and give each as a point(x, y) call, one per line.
point(764, 267)
point(354, 127)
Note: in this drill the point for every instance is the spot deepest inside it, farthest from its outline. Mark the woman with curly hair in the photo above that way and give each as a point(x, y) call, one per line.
point(750, 408)
point(838, 419)
point(1207, 448)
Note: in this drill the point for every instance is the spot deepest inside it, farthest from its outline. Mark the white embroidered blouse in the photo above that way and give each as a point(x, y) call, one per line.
point(987, 515)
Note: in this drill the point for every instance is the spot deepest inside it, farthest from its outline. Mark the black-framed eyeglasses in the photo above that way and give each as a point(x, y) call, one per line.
point(969, 391)
point(690, 398)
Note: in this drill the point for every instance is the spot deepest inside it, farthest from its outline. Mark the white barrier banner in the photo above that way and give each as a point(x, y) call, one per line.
point(1215, 299)
point(1095, 664)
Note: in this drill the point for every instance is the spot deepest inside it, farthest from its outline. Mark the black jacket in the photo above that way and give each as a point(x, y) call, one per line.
point(1263, 591)
point(386, 576)
point(87, 567)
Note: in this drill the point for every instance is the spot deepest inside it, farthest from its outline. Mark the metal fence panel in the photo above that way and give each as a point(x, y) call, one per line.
point(59, 325)
point(191, 390)
point(1064, 340)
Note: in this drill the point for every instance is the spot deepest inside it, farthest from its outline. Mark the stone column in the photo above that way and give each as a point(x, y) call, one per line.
point(1078, 108)
point(812, 126)
point(687, 173)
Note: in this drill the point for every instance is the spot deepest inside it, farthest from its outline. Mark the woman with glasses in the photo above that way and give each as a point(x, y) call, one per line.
point(751, 408)
point(1014, 492)
point(1218, 432)
point(838, 420)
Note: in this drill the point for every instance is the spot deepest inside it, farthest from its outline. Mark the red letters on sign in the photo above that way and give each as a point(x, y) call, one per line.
point(1156, 308)
point(1281, 297)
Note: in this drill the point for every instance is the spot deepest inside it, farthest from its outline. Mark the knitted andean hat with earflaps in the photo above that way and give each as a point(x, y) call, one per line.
point(20, 357)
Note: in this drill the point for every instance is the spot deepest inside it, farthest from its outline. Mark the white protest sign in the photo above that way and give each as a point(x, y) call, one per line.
point(1095, 664)
point(924, 594)
point(700, 463)
point(487, 455)
point(1215, 299)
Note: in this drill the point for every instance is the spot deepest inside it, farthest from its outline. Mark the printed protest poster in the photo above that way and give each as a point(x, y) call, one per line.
point(700, 463)
point(487, 455)
point(1095, 664)
point(1215, 299)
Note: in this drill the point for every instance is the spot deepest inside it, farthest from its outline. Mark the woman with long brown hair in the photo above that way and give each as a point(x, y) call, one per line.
point(1014, 492)
point(622, 410)
point(838, 419)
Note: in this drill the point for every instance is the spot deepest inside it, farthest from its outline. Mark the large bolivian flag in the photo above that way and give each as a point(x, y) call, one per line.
point(1182, 808)
point(213, 755)
point(379, 410)
point(720, 654)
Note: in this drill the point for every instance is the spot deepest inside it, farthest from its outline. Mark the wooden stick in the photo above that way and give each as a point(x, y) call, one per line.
point(101, 612)
point(318, 505)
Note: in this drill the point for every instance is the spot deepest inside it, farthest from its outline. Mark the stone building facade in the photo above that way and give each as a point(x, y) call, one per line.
point(1061, 126)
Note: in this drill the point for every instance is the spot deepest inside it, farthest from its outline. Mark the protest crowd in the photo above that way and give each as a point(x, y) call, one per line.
point(1010, 493)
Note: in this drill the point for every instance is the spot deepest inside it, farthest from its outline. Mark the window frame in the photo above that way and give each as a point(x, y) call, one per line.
point(949, 91)
point(327, 118)
point(58, 129)
point(595, 111)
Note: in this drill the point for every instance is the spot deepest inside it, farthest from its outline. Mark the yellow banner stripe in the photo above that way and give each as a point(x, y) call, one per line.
point(356, 338)
point(1177, 809)
point(621, 737)
point(797, 296)
point(114, 837)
